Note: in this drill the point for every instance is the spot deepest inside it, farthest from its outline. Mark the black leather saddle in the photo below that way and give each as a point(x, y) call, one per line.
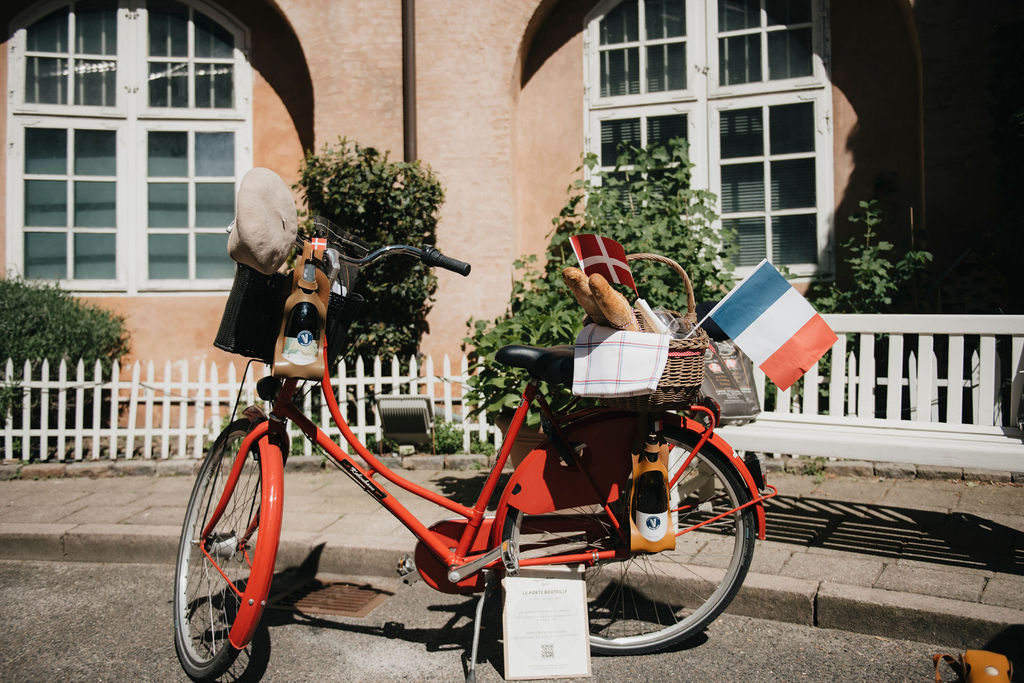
point(552, 364)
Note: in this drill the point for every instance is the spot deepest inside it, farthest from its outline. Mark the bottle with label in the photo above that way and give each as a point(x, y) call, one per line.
point(300, 344)
point(651, 528)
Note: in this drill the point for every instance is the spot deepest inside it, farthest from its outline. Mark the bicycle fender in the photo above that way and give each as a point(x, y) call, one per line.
point(723, 446)
point(257, 588)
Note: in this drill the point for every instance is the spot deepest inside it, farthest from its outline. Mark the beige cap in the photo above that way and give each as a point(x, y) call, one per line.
point(265, 222)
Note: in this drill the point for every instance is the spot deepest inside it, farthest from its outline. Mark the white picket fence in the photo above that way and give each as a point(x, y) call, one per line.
point(135, 412)
point(947, 391)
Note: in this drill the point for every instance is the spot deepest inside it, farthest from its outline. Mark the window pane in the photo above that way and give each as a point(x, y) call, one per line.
point(95, 83)
point(95, 204)
point(168, 205)
point(621, 24)
point(615, 133)
point(666, 67)
point(793, 184)
point(95, 257)
point(168, 154)
point(212, 258)
point(742, 188)
point(215, 204)
point(739, 59)
point(788, 11)
point(168, 257)
point(792, 128)
point(168, 84)
point(789, 54)
point(661, 129)
point(665, 19)
point(794, 239)
point(95, 152)
point(46, 80)
point(46, 255)
point(741, 133)
point(46, 203)
point(215, 154)
point(212, 40)
point(168, 29)
point(749, 236)
point(734, 15)
point(620, 72)
point(96, 27)
point(46, 150)
point(49, 34)
point(215, 86)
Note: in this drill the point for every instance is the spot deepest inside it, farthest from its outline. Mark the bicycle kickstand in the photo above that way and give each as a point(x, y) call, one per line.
point(489, 579)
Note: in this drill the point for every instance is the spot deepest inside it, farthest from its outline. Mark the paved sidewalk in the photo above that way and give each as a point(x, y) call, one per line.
point(932, 560)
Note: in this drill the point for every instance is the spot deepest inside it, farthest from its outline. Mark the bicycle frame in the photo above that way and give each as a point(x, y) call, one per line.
point(531, 489)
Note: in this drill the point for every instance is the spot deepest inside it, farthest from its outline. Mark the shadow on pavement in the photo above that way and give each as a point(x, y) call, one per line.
point(958, 539)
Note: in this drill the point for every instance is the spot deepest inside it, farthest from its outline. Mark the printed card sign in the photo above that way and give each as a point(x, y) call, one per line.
point(545, 620)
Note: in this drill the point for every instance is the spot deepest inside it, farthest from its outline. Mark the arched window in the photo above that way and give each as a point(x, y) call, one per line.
point(745, 82)
point(130, 128)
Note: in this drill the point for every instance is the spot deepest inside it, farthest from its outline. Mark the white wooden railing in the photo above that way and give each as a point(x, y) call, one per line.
point(947, 391)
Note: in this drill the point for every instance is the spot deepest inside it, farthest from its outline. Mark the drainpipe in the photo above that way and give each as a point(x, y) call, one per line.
point(409, 79)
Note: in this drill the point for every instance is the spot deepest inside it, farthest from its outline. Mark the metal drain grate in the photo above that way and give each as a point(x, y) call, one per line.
point(335, 598)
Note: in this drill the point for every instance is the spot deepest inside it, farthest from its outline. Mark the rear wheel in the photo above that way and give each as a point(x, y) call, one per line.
point(650, 601)
point(208, 585)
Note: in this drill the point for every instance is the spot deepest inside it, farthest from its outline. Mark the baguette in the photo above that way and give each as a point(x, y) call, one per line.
point(614, 306)
point(579, 285)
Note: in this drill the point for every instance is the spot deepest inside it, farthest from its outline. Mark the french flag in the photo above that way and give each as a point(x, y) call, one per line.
point(774, 325)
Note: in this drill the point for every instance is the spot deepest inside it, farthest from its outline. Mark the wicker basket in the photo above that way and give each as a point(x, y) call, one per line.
point(684, 371)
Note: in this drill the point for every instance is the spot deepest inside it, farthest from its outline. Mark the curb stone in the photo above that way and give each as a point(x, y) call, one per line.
point(463, 461)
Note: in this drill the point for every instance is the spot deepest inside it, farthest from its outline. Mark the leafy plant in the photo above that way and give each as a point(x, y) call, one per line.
point(648, 204)
point(875, 277)
point(383, 202)
point(447, 437)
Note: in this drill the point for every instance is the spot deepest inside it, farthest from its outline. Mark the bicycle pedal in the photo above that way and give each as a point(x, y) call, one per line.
point(406, 565)
point(510, 558)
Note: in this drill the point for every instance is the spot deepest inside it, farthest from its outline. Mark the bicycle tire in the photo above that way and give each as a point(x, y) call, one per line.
point(649, 602)
point(206, 605)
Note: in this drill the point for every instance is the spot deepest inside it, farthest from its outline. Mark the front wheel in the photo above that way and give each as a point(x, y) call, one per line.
point(230, 533)
point(650, 601)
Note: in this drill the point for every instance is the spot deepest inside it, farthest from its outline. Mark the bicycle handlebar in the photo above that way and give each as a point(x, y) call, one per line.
point(429, 255)
point(433, 257)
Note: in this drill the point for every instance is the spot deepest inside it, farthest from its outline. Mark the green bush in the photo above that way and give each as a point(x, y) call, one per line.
point(647, 203)
point(383, 202)
point(42, 321)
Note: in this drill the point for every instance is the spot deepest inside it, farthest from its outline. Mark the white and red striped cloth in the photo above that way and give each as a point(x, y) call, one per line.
point(609, 362)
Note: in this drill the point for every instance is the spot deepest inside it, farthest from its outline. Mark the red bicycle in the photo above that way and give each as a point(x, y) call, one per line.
point(565, 504)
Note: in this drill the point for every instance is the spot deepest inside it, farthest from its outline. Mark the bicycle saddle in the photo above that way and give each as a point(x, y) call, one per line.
point(549, 363)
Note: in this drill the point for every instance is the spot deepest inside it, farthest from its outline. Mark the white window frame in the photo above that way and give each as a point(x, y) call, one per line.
point(132, 117)
point(704, 99)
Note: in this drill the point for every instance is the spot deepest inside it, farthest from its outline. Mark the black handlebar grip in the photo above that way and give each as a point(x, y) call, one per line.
point(432, 257)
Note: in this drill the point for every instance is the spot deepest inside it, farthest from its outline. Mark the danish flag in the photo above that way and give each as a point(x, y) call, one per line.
point(598, 254)
point(319, 243)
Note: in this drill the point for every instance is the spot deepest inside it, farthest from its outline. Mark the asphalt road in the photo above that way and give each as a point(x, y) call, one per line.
point(112, 622)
